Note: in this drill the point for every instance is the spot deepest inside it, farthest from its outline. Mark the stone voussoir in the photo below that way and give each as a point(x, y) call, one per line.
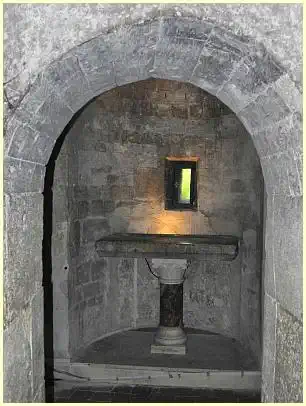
point(188, 28)
point(265, 110)
point(17, 174)
point(29, 145)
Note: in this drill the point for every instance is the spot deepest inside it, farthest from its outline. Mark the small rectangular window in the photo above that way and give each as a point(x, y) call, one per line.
point(180, 184)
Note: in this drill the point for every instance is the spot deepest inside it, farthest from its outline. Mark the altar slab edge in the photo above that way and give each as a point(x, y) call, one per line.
point(129, 245)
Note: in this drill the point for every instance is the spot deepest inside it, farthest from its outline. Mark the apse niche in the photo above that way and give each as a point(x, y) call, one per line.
point(157, 159)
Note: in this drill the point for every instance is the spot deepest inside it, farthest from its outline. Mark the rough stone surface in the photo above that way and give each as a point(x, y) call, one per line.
point(268, 108)
point(115, 171)
point(251, 284)
point(29, 145)
point(23, 177)
point(147, 294)
point(164, 119)
point(268, 252)
point(274, 35)
point(171, 53)
point(289, 358)
point(94, 229)
point(269, 349)
point(60, 230)
point(137, 60)
point(94, 19)
point(17, 340)
point(37, 344)
point(212, 296)
point(22, 274)
point(288, 254)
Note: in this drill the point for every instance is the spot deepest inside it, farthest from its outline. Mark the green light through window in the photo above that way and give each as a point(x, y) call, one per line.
point(184, 191)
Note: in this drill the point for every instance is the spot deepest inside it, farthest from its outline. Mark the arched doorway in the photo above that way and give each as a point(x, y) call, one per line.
point(246, 79)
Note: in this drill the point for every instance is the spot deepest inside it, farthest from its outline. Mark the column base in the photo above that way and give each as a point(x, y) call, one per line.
point(169, 340)
point(170, 336)
point(168, 349)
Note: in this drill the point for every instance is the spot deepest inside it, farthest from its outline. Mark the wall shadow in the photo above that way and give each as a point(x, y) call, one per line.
point(47, 259)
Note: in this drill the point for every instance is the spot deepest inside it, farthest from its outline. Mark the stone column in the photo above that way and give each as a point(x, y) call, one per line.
point(170, 337)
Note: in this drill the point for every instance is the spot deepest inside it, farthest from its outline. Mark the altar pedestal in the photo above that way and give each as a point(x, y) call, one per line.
point(170, 337)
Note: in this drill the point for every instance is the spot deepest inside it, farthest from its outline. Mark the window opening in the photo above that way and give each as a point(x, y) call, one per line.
point(180, 184)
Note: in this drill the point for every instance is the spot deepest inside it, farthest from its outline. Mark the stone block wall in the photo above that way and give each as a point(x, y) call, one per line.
point(212, 296)
point(115, 166)
point(276, 42)
point(23, 320)
point(251, 290)
point(102, 301)
point(60, 264)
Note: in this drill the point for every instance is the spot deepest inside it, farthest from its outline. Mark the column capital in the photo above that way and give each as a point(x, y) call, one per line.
point(170, 271)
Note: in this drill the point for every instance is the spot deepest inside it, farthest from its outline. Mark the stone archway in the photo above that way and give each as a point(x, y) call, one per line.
point(246, 78)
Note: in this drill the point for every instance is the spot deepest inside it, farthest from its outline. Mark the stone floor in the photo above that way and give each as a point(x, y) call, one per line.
point(130, 394)
point(204, 350)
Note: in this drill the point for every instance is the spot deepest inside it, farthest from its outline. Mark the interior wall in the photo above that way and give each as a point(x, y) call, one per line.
point(116, 151)
point(60, 257)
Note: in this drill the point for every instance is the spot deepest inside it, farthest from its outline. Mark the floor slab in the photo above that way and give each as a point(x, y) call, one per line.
point(204, 351)
point(151, 394)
